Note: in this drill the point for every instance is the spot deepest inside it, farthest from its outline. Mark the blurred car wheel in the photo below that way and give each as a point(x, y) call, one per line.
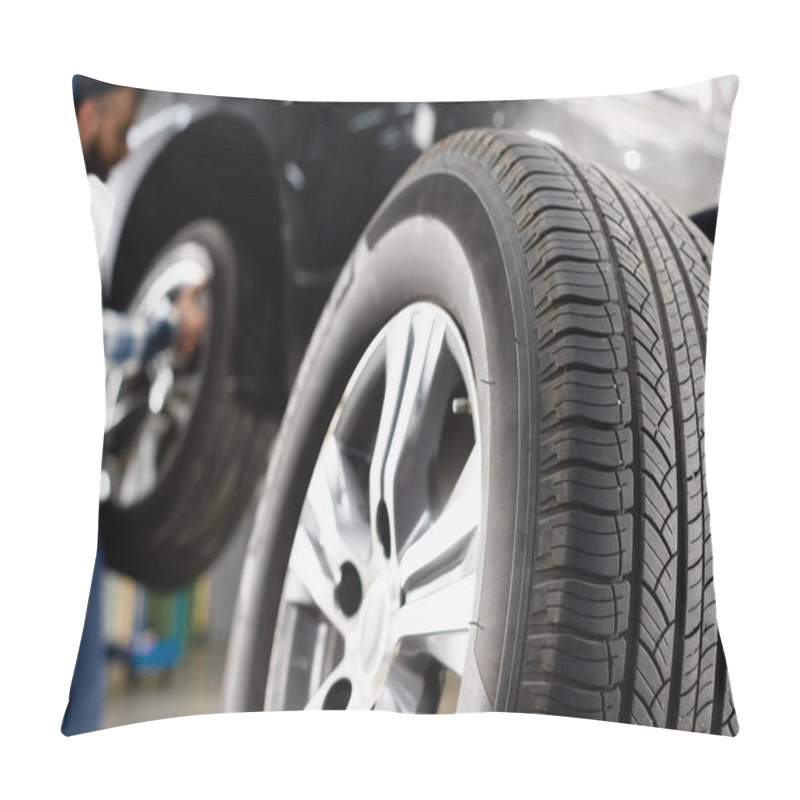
point(182, 451)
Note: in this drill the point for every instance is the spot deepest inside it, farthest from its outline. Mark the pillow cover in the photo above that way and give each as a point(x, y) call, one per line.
point(471, 339)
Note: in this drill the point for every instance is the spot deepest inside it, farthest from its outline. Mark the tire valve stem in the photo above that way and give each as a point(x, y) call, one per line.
point(461, 405)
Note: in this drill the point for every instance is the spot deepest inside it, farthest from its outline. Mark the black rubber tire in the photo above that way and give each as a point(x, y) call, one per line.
point(583, 302)
point(169, 537)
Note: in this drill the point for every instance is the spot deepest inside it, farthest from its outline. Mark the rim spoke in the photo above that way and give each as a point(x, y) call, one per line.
point(449, 649)
point(397, 344)
point(443, 545)
point(141, 470)
point(337, 517)
point(114, 378)
point(426, 349)
point(410, 428)
point(308, 566)
point(438, 611)
point(420, 376)
point(387, 702)
point(404, 687)
point(330, 520)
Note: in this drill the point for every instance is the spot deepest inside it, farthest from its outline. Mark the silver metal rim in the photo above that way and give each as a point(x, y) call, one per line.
point(381, 587)
point(149, 409)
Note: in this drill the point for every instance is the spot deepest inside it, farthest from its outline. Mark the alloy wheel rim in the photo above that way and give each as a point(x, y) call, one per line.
point(380, 591)
point(148, 410)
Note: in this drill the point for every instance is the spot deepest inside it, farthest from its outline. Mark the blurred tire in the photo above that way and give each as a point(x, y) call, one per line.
point(168, 533)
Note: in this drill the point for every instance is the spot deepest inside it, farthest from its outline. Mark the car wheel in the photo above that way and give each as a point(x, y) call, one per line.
point(488, 489)
point(181, 450)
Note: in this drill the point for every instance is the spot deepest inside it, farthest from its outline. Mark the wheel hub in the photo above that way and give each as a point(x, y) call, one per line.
point(373, 626)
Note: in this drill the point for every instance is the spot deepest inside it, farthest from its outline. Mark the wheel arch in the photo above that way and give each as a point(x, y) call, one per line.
point(706, 220)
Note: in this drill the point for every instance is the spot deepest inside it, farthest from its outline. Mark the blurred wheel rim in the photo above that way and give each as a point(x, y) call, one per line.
point(148, 409)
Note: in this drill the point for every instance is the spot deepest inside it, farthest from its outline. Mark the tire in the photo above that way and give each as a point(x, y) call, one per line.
point(167, 528)
point(582, 302)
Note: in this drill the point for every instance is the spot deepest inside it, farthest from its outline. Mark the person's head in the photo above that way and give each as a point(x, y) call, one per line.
point(104, 113)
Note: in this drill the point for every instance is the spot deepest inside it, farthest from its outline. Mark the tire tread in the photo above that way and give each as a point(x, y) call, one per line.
point(621, 619)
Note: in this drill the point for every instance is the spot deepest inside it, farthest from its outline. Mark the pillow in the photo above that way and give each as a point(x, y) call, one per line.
point(440, 368)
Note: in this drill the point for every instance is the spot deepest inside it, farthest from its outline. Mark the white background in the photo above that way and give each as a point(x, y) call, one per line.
point(51, 362)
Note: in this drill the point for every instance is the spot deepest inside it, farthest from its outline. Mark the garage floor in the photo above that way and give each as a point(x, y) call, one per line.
point(193, 687)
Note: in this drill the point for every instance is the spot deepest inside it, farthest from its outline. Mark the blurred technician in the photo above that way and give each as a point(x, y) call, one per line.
point(104, 113)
